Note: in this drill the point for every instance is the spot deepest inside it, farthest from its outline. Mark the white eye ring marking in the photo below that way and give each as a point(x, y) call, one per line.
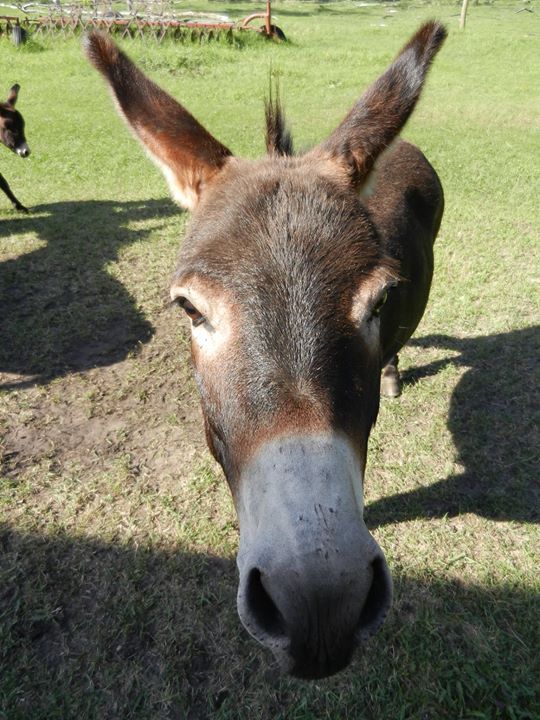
point(211, 315)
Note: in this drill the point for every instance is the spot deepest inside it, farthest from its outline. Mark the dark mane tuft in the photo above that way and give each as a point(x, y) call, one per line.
point(278, 136)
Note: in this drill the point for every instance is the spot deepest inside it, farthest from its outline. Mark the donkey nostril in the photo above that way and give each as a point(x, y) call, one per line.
point(261, 606)
point(378, 600)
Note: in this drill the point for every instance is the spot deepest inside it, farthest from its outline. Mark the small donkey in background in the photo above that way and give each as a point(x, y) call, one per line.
point(12, 136)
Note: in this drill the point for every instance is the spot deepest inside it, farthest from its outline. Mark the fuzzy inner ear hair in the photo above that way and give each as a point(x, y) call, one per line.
point(186, 153)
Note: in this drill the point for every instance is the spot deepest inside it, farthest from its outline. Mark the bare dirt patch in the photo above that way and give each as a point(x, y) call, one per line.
point(144, 409)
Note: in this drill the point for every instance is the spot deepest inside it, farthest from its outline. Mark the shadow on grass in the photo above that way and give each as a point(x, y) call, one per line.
point(493, 417)
point(96, 630)
point(61, 311)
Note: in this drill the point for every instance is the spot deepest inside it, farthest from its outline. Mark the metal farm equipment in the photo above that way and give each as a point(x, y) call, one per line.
point(148, 18)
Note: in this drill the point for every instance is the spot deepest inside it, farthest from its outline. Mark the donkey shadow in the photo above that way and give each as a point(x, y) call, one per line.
point(61, 311)
point(493, 418)
point(94, 629)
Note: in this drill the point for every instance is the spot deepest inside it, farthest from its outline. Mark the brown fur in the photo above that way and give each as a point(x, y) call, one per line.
point(291, 267)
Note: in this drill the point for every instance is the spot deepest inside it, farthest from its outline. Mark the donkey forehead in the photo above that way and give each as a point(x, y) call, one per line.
point(8, 112)
point(11, 118)
point(273, 187)
point(280, 223)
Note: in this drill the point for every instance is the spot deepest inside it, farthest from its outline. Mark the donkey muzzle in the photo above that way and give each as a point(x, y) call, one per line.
point(313, 581)
point(22, 150)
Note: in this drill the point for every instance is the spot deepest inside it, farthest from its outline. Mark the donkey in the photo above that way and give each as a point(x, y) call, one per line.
point(12, 136)
point(299, 291)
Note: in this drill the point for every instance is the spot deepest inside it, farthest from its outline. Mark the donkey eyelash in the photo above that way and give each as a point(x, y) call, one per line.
point(375, 313)
point(191, 311)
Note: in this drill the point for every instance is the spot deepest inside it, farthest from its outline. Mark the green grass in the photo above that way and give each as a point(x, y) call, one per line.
point(118, 535)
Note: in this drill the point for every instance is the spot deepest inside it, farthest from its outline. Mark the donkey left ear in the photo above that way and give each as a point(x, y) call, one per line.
point(187, 154)
point(382, 111)
point(13, 94)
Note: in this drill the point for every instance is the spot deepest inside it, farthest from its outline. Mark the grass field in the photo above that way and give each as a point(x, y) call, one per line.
point(117, 533)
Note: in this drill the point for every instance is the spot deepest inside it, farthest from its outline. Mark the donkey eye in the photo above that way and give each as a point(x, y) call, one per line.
point(378, 307)
point(191, 311)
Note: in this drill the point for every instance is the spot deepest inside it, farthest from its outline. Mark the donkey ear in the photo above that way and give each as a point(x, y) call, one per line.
point(185, 152)
point(385, 107)
point(13, 95)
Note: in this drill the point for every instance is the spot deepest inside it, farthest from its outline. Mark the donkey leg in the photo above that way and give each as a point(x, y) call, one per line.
point(390, 383)
point(5, 187)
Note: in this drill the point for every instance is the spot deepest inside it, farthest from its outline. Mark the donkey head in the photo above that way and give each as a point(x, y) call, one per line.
point(12, 125)
point(283, 278)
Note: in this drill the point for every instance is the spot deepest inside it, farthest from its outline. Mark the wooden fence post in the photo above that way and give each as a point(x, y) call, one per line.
point(463, 14)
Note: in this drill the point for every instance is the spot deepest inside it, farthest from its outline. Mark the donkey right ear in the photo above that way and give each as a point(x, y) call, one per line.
point(13, 95)
point(186, 153)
